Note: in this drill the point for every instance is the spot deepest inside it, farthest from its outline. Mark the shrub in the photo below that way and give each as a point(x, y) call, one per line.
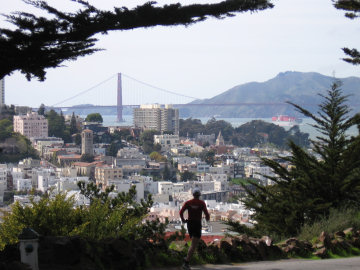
point(338, 220)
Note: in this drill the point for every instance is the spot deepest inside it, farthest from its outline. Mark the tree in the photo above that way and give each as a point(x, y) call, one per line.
point(215, 126)
point(353, 11)
point(36, 43)
point(94, 117)
point(208, 156)
point(157, 157)
point(186, 175)
point(113, 148)
point(41, 110)
point(87, 158)
point(6, 129)
point(313, 185)
point(73, 126)
point(77, 139)
point(56, 124)
point(55, 217)
point(190, 127)
point(105, 218)
point(147, 141)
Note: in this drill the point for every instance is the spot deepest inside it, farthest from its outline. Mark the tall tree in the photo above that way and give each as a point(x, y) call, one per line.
point(352, 8)
point(36, 43)
point(315, 183)
point(41, 110)
point(94, 117)
point(73, 126)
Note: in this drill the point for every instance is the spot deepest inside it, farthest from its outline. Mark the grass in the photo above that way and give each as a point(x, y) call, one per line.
point(338, 220)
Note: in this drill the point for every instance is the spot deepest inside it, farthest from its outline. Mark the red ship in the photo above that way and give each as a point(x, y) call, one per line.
point(285, 120)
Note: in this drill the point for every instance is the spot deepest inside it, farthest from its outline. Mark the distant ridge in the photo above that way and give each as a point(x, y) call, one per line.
point(298, 87)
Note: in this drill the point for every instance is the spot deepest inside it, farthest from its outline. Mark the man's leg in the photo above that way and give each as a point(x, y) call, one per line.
point(194, 243)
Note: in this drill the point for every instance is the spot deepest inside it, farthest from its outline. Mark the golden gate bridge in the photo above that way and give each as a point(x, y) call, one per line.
point(137, 93)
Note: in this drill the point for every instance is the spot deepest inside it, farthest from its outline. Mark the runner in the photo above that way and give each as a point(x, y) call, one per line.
point(194, 207)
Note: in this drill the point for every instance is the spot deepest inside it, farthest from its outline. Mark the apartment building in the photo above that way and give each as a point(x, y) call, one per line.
point(3, 181)
point(157, 117)
point(167, 141)
point(104, 174)
point(31, 125)
point(2, 93)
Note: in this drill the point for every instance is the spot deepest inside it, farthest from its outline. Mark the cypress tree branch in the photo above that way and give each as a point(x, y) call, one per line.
point(353, 8)
point(38, 42)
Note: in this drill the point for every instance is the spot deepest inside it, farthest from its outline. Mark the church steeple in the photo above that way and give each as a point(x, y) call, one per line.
point(220, 140)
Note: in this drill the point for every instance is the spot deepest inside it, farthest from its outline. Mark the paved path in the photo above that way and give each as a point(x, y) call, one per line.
point(328, 264)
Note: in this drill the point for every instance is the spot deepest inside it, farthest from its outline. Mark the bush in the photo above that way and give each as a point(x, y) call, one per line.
point(338, 220)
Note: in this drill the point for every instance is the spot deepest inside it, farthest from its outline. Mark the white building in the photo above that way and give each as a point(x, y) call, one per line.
point(66, 184)
point(2, 93)
point(223, 169)
point(167, 141)
point(41, 143)
point(157, 117)
point(3, 181)
point(258, 171)
point(221, 185)
point(203, 167)
point(160, 187)
point(125, 185)
point(31, 125)
point(23, 185)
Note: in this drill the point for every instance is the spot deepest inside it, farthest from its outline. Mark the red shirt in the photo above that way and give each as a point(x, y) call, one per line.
point(195, 207)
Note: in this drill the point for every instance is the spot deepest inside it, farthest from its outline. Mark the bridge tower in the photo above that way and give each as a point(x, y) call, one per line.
point(119, 100)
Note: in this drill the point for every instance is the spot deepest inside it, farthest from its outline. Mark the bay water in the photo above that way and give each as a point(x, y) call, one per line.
point(305, 126)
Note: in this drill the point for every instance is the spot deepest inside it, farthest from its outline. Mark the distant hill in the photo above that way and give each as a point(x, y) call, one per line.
point(297, 87)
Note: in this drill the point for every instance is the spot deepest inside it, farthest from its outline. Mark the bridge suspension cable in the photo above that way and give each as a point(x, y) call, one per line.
point(85, 91)
point(158, 88)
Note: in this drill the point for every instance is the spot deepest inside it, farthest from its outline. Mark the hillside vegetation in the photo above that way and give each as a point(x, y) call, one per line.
point(297, 87)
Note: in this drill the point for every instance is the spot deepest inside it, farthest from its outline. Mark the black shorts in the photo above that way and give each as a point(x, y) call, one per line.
point(194, 228)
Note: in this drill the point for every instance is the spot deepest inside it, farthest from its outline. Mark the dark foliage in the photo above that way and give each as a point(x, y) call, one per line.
point(36, 43)
point(94, 117)
point(147, 141)
point(314, 184)
point(249, 134)
point(352, 8)
point(87, 158)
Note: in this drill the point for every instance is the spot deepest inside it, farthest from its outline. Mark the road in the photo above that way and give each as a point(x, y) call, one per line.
point(328, 264)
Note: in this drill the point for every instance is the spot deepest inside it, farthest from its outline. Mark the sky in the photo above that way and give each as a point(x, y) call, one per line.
point(201, 60)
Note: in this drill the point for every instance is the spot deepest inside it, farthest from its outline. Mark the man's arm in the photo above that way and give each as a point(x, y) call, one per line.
point(207, 216)
point(182, 212)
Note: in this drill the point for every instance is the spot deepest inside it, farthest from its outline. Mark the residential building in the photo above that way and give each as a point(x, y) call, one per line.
point(125, 185)
point(157, 117)
point(31, 125)
point(87, 146)
point(23, 185)
point(22, 110)
point(2, 93)
point(68, 159)
point(41, 143)
point(3, 181)
point(258, 170)
point(167, 141)
point(86, 168)
point(104, 174)
point(204, 138)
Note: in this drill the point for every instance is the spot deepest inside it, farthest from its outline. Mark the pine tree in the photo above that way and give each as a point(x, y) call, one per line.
point(312, 185)
point(36, 43)
point(352, 8)
point(73, 126)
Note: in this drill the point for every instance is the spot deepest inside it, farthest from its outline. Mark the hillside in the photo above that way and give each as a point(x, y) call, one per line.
point(298, 87)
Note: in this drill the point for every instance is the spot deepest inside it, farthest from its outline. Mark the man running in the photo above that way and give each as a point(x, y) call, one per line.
point(195, 207)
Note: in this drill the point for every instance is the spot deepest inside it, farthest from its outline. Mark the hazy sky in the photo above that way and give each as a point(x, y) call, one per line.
point(202, 60)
